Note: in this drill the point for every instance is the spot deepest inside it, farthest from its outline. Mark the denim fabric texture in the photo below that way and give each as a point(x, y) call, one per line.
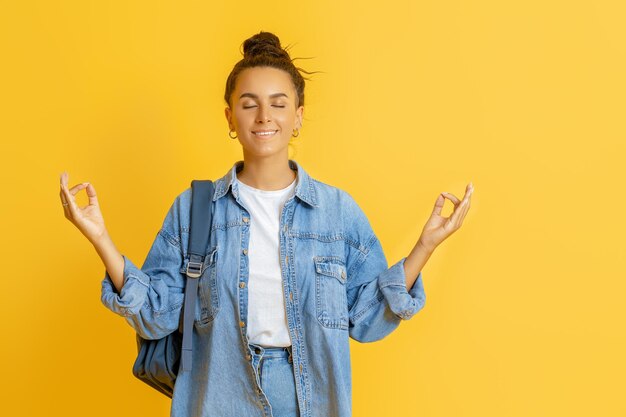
point(275, 370)
point(337, 285)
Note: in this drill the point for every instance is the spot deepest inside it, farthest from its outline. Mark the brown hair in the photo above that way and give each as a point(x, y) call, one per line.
point(264, 50)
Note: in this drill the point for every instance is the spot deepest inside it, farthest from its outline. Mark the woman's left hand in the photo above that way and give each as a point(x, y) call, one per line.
point(438, 228)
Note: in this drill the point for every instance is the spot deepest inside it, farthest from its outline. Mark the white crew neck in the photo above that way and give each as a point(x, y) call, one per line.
point(269, 192)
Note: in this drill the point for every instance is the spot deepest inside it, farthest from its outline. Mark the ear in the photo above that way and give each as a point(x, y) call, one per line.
point(229, 114)
point(299, 115)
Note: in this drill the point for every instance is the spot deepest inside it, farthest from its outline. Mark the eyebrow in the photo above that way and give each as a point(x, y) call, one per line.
point(271, 95)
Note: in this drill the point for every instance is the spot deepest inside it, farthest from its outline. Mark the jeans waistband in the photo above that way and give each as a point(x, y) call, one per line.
point(271, 352)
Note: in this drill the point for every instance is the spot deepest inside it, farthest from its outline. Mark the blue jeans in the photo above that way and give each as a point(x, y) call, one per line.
point(275, 369)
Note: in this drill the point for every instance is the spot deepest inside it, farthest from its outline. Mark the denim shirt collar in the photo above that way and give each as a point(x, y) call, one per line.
point(306, 189)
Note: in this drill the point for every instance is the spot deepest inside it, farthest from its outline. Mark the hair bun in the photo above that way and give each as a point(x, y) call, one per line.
point(264, 43)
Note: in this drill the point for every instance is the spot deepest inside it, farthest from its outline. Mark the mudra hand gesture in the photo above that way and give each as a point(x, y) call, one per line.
point(438, 228)
point(87, 219)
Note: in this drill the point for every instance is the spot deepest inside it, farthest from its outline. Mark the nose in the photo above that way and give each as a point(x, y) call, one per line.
point(262, 115)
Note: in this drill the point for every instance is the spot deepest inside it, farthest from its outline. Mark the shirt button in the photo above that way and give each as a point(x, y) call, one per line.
point(286, 259)
point(242, 324)
point(290, 295)
point(343, 274)
point(245, 251)
point(300, 367)
point(248, 357)
point(242, 284)
point(246, 219)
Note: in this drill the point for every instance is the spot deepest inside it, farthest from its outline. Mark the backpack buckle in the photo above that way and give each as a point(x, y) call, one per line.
point(194, 269)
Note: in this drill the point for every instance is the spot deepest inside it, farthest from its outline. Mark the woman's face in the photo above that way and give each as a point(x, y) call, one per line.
point(264, 112)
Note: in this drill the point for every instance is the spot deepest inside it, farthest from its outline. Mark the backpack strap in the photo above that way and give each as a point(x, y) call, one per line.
point(201, 217)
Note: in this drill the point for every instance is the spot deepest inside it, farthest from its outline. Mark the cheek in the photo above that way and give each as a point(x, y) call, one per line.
point(286, 118)
point(240, 117)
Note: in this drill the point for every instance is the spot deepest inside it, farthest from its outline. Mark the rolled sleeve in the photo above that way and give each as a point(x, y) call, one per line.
point(377, 296)
point(403, 303)
point(133, 294)
point(151, 298)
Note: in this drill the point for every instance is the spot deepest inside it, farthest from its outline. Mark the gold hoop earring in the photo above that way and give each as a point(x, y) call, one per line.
point(297, 134)
point(231, 136)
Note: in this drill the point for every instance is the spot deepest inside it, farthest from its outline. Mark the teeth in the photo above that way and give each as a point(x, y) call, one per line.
point(265, 133)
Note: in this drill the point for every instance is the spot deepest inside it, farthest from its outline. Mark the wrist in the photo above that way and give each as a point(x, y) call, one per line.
point(101, 240)
point(425, 246)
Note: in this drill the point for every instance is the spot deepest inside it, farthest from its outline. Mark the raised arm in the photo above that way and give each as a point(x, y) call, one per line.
point(379, 297)
point(436, 230)
point(90, 223)
point(150, 297)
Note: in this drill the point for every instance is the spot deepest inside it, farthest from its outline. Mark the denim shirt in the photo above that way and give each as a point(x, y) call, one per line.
point(336, 285)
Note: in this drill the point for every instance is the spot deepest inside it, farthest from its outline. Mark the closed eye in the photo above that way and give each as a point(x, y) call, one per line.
point(273, 105)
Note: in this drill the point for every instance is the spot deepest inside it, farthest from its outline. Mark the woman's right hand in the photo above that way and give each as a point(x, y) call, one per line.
point(87, 219)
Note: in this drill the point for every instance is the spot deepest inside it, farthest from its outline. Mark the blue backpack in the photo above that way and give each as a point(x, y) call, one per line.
point(159, 361)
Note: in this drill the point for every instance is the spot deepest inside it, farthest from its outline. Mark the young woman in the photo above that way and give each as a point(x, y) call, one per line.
point(293, 270)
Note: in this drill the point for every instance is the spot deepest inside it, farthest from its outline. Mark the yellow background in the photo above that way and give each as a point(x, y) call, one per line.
point(525, 303)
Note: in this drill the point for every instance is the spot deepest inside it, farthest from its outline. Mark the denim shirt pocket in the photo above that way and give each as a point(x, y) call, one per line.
point(208, 300)
point(330, 292)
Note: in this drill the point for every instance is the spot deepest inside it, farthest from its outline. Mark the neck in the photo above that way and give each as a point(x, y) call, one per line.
point(268, 174)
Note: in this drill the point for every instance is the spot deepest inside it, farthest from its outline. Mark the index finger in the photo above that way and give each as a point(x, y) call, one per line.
point(469, 189)
point(69, 198)
point(64, 179)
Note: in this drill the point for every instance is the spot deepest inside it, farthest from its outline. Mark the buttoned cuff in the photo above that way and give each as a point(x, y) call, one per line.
point(403, 303)
point(134, 290)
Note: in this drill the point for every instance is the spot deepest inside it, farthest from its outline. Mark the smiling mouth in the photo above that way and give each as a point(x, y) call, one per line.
point(264, 133)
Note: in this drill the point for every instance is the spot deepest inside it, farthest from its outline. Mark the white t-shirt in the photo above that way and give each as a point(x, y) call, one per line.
point(267, 321)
